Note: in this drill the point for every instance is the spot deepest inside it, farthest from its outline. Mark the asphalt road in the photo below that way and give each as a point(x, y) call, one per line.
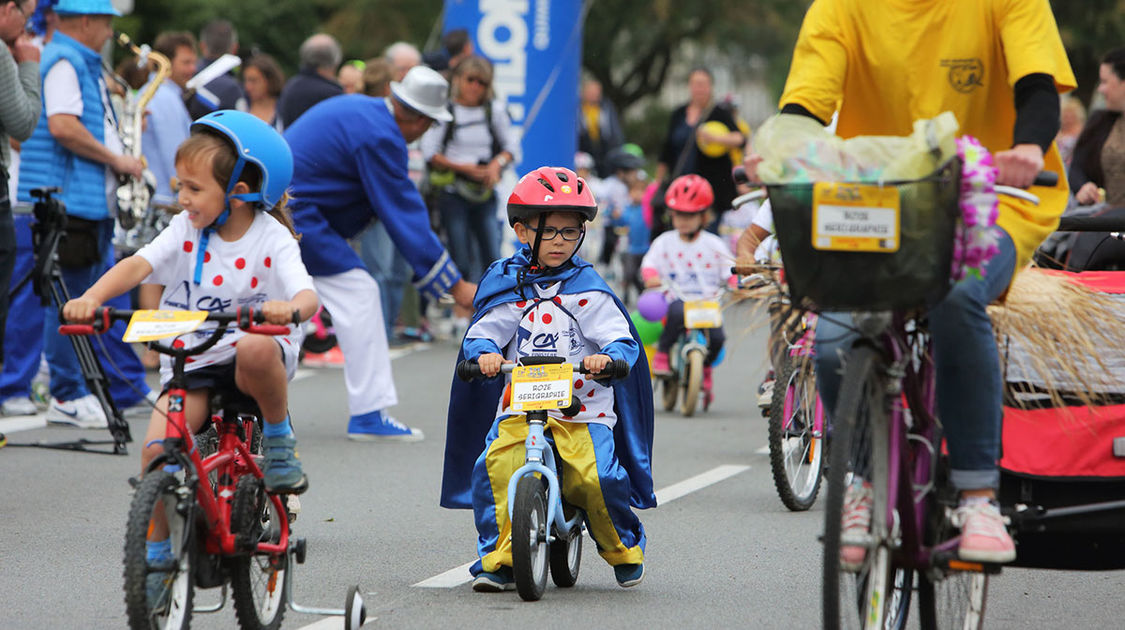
point(722, 550)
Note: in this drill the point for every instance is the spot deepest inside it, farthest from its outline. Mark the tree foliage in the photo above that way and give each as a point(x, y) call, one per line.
point(1089, 29)
point(630, 45)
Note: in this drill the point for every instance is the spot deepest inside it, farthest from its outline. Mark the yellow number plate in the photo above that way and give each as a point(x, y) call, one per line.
point(702, 314)
point(855, 218)
point(539, 387)
point(153, 325)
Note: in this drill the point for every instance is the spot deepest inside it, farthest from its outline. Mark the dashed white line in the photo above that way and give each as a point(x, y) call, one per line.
point(460, 575)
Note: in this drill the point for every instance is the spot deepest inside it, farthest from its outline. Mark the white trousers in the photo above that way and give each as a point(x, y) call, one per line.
point(353, 300)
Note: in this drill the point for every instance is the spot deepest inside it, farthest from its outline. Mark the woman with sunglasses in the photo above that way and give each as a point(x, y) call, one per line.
point(467, 157)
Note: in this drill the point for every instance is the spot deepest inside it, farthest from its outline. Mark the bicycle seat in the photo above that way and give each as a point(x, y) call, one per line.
point(234, 401)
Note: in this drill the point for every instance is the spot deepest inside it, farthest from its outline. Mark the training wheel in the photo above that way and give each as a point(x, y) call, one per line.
point(355, 612)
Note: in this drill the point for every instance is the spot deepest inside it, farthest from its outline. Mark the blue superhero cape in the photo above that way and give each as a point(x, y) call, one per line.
point(472, 406)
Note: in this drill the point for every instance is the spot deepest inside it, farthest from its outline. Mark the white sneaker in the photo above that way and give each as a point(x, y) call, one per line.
point(84, 413)
point(18, 406)
point(142, 408)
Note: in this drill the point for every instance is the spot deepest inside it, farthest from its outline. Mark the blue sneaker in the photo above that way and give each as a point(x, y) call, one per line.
point(629, 574)
point(158, 584)
point(379, 427)
point(283, 474)
point(495, 582)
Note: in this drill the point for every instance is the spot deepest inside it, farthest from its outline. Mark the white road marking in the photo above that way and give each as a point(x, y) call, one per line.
point(460, 575)
point(765, 450)
point(23, 423)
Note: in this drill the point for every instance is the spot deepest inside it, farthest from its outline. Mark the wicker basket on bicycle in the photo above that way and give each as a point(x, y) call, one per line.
point(841, 273)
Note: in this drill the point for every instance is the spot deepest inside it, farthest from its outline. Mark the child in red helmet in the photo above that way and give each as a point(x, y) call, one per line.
point(544, 300)
point(695, 262)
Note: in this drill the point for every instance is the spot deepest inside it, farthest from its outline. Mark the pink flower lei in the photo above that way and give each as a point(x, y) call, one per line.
point(975, 242)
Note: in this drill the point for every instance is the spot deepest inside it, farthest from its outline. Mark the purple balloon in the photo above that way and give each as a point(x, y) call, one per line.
point(652, 306)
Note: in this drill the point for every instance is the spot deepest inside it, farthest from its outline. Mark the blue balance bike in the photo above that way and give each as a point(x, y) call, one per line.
point(542, 533)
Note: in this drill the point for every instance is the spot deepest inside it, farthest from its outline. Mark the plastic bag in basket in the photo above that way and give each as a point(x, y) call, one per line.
point(795, 149)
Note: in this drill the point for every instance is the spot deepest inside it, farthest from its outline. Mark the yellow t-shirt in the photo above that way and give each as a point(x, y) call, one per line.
point(888, 63)
point(593, 125)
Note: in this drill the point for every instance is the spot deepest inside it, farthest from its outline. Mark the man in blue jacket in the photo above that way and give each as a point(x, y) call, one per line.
point(76, 147)
point(350, 167)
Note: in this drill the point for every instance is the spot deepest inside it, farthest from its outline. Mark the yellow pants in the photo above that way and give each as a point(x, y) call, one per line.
point(591, 479)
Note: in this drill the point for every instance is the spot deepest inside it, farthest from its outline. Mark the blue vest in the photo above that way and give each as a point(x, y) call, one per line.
point(44, 162)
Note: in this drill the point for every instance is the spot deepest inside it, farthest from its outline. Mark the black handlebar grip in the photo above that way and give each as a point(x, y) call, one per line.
point(620, 368)
point(738, 174)
point(468, 370)
point(1046, 178)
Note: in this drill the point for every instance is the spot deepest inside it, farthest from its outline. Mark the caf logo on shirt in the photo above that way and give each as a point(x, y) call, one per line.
point(965, 75)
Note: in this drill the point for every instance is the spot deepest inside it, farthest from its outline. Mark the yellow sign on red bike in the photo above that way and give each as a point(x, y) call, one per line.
point(539, 387)
point(153, 325)
point(855, 217)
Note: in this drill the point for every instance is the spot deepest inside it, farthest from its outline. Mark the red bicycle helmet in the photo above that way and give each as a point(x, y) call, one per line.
point(689, 193)
point(550, 189)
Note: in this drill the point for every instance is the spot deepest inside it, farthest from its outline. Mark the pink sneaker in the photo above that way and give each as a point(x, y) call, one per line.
point(855, 523)
point(707, 378)
point(660, 365)
point(984, 538)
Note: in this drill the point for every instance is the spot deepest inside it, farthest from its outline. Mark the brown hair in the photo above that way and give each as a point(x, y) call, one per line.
point(211, 146)
point(377, 75)
point(271, 72)
point(473, 65)
point(169, 42)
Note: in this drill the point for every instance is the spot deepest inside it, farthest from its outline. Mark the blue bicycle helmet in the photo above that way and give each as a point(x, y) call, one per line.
point(256, 143)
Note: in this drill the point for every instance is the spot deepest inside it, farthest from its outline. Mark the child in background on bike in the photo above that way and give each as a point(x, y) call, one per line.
point(636, 232)
point(232, 245)
point(544, 300)
point(696, 263)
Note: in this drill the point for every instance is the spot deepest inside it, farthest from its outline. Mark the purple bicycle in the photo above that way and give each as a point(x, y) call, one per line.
point(886, 438)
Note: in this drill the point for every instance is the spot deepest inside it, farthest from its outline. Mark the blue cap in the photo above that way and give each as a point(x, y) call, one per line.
point(86, 7)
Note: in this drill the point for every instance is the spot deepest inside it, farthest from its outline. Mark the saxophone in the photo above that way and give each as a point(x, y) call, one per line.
point(134, 195)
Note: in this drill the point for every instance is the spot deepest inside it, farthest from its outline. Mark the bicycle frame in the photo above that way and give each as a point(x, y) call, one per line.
point(231, 461)
point(540, 458)
point(912, 430)
point(804, 349)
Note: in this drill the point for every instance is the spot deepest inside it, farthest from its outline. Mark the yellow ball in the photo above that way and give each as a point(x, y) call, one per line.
point(712, 149)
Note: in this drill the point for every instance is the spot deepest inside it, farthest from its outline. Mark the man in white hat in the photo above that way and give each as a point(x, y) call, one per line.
point(350, 167)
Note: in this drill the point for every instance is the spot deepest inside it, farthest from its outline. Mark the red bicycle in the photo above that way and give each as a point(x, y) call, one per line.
point(224, 527)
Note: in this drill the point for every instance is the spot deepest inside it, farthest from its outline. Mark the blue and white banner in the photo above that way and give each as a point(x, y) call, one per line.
point(535, 47)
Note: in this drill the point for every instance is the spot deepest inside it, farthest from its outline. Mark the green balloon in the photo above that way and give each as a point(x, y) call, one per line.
point(648, 331)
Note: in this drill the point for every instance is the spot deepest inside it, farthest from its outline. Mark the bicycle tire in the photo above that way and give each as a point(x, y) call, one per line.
point(957, 600)
point(859, 450)
point(529, 538)
point(671, 392)
point(566, 557)
point(693, 379)
point(257, 580)
point(155, 487)
point(948, 598)
point(796, 455)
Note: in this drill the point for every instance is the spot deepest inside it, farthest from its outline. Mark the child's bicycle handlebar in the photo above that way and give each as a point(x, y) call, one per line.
point(245, 318)
point(470, 370)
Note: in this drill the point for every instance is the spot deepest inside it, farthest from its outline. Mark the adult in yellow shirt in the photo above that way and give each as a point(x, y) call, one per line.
point(998, 65)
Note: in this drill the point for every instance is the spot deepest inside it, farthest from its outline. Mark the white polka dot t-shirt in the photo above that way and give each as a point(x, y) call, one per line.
point(264, 265)
point(699, 269)
point(573, 326)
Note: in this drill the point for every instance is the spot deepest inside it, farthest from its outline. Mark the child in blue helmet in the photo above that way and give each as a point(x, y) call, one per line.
point(232, 245)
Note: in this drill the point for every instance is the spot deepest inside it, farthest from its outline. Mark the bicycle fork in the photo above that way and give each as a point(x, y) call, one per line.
point(540, 458)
